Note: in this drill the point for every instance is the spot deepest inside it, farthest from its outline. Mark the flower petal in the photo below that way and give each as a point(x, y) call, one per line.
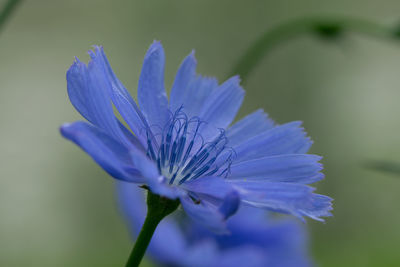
point(145, 166)
point(112, 156)
point(203, 253)
point(217, 192)
point(184, 77)
point(251, 125)
point(151, 93)
point(191, 91)
point(205, 213)
point(210, 185)
point(131, 200)
point(202, 97)
point(168, 230)
point(121, 98)
point(288, 138)
point(284, 240)
point(230, 204)
point(296, 199)
point(295, 168)
point(88, 90)
point(222, 105)
point(79, 91)
point(247, 255)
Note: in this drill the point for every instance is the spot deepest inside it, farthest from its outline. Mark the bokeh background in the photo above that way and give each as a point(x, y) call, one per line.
point(58, 208)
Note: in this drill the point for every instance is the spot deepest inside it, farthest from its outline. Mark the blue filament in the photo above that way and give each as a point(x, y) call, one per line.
point(182, 154)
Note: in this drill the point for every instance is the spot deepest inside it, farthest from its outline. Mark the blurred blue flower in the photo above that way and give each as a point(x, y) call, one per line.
point(185, 148)
point(254, 240)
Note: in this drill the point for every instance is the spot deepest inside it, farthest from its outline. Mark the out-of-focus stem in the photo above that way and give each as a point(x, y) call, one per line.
point(329, 28)
point(7, 10)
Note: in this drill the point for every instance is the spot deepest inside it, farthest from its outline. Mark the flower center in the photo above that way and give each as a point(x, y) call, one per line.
point(183, 154)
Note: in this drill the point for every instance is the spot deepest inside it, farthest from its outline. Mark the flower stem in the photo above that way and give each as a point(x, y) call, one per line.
point(328, 28)
point(158, 208)
point(7, 10)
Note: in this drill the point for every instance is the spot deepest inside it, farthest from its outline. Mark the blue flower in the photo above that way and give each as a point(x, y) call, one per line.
point(255, 240)
point(186, 147)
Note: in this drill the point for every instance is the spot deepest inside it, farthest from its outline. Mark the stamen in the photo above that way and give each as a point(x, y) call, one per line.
point(183, 155)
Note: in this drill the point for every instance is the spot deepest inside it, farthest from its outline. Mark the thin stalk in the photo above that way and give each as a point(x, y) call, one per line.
point(7, 10)
point(328, 28)
point(158, 208)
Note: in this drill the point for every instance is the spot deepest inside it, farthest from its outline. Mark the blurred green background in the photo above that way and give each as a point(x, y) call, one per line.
point(57, 207)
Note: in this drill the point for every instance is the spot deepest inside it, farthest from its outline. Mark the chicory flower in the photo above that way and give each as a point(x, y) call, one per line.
point(186, 147)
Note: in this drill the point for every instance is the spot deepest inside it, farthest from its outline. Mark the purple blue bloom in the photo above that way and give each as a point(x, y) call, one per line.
point(186, 147)
point(255, 239)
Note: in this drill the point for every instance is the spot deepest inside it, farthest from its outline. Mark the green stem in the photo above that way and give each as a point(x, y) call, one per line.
point(328, 28)
point(158, 208)
point(7, 10)
point(384, 166)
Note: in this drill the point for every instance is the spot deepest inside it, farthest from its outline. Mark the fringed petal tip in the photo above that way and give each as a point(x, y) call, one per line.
point(77, 62)
point(320, 207)
point(98, 48)
point(193, 55)
point(75, 67)
point(290, 198)
point(151, 93)
point(155, 47)
point(235, 81)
